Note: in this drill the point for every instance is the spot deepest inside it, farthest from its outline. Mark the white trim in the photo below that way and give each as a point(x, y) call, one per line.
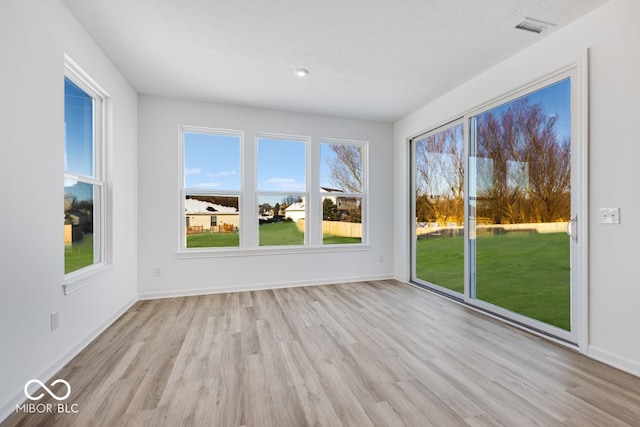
point(183, 191)
point(101, 137)
point(17, 397)
point(260, 287)
point(363, 195)
point(269, 250)
point(612, 359)
point(85, 276)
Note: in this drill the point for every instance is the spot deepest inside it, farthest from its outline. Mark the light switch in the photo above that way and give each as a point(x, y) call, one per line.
point(609, 216)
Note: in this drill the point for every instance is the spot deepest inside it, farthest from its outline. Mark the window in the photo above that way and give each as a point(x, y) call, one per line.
point(438, 161)
point(342, 188)
point(84, 181)
point(280, 212)
point(496, 197)
point(211, 188)
point(282, 191)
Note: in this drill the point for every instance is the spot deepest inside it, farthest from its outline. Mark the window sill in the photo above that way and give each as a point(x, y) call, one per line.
point(271, 250)
point(81, 278)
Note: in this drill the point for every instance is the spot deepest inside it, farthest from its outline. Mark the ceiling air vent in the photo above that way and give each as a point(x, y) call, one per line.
point(533, 25)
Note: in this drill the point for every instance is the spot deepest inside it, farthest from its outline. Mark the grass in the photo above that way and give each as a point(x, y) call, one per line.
point(271, 234)
point(527, 273)
point(79, 254)
point(213, 240)
point(280, 233)
point(331, 239)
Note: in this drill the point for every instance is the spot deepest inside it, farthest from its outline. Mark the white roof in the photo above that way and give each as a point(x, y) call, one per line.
point(195, 206)
point(299, 206)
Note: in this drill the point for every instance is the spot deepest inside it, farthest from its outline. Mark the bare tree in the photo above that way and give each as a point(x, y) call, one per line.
point(440, 177)
point(529, 166)
point(346, 167)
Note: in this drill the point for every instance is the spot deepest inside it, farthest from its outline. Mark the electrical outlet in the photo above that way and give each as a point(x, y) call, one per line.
point(157, 271)
point(55, 321)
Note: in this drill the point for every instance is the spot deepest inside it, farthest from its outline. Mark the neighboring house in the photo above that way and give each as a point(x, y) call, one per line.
point(206, 216)
point(295, 211)
point(345, 205)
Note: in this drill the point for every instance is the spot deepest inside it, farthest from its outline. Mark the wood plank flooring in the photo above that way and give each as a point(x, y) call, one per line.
point(376, 353)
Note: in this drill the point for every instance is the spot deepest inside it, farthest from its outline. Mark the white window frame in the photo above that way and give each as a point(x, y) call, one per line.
point(184, 191)
point(364, 146)
point(101, 233)
point(302, 194)
point(250, 195)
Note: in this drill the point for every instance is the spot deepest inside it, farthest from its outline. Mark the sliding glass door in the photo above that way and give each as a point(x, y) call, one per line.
point(520, 204)
point(495, 198)
point(439, 208)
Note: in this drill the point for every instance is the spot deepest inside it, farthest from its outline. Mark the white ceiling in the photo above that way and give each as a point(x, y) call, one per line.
point(369, 59)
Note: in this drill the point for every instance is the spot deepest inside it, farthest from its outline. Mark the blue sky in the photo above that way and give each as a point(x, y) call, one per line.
point(281, 165)
point(78, 152)
point(212, 162)
point(78, 117)
point(555, 100)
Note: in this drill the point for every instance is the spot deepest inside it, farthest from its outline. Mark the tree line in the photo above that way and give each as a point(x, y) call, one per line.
point(521, 170)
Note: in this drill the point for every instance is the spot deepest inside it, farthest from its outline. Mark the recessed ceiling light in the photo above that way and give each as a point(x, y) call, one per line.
point(301, 72)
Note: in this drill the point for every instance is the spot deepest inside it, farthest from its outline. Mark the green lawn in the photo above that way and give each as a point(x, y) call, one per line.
point(79, 254)
point(527, 273)
point(213, 240)
point(274, 234)
point(280, 233)
point(330, 239)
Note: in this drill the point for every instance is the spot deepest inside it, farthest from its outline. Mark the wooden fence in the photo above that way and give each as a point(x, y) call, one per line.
point(543, 227)
point(337, 228)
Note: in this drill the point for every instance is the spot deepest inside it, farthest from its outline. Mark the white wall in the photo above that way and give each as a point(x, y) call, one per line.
point(34, 36)
point(611, 35)
point(159, 213)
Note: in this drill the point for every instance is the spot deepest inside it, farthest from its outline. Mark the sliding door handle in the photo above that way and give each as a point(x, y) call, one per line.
point(572, 228)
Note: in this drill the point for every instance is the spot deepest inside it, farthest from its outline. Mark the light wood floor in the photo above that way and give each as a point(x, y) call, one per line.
point(361, 354)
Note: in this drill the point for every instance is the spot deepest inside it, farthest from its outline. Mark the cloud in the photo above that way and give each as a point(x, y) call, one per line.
point(192, 171)
point(281, 181)
point(223, 173)
point(286, 183)
point(208, 185)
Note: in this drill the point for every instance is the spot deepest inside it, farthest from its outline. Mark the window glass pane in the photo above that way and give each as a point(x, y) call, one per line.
point(212, 221)
point(211, 162)
point(341, 219)
point(80, 222)
point(439, 208)
point(520, 203)
point(281, 220)
point(341, 167)
point(281, 165)
point(78, 117)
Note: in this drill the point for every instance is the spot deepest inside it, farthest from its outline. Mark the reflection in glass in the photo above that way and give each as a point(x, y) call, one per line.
point(439, 208)
point(520, 202)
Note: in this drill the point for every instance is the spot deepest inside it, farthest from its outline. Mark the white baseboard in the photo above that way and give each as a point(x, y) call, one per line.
point(256, 287)
point(8, 406)
point(622, 363)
